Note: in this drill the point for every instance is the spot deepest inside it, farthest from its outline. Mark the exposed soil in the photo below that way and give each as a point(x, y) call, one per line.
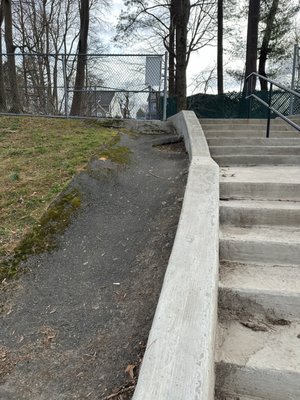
point(75, 325)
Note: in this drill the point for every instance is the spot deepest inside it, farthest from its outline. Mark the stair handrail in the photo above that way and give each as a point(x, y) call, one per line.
point(250, 88)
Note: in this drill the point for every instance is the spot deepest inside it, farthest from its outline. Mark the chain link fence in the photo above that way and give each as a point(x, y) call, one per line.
point(116, 86)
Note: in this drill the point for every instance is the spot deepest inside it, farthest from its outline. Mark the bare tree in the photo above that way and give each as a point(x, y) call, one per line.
point(220, 48)
point(82, 57)
point(160, 19)
point(127, 104)
point(11, 64)
point(157, 20)
point(252, 40)
point(276, 22)
point(182, 15)
point(43, 27)
point(2, 88)
point(205, 80)
point(264, 50)
point(275, 38)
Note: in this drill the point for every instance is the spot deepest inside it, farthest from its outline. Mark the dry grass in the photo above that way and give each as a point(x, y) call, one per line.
point(38, 157)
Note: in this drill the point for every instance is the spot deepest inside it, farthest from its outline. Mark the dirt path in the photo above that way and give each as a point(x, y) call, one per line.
point(82, 314)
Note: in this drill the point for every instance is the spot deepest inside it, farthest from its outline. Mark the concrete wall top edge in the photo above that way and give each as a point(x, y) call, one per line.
point(188, 126)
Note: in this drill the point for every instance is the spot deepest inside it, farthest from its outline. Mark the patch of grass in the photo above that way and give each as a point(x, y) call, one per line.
point(15, 176)
point(38, 157)
point(8, 272)
point(118, 154)
point(115, 153)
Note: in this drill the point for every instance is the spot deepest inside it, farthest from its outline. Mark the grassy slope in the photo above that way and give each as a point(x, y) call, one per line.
point(38, 156)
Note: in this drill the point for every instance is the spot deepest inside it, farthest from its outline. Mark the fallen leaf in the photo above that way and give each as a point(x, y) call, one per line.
point(49, 334)
point(129, 370)
point(21, 339)
point(3, 354)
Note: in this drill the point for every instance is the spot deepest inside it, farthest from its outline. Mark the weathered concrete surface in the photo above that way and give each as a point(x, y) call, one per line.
point(260, 182)
point(242, 121)
point(259, 364)
point(243, 149)
point(248, 141)
point(259, 288)
point(249, 134)
point(270, 174)
point(249, 127)
point(179, 358)
point(258, 212)
point(187, 126)
point(83, 312)
point(254, 150)
point(273, 287)
point(260, 244)
point(261, 159)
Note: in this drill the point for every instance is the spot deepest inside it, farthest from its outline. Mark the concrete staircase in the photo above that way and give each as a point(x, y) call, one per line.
point(243, 142)
point(258, 344)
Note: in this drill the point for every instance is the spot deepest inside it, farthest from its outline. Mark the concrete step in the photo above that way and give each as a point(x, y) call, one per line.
point(254, 150)
point(244, 121)
point(260, 182)
point(252, 160)
point(259, 364)
point(243, 127)
point(295, 118)
point(249, 134)
point(272, 290)
point(226, 396)
point(260, 244)
point(251, 212)
point(253, 142)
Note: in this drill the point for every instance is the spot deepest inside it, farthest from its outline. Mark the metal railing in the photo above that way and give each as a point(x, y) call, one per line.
point(250, 94)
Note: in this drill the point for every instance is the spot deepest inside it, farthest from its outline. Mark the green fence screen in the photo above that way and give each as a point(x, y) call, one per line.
point(234, 105)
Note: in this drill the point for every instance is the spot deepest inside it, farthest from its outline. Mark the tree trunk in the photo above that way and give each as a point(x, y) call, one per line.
point(2, 89)
point(220, 48)
point(82, 59)
point(182, 14)
point(55, 91)
point(21, 23)
point(11, 64)
point(46, 60)
point(172, 53)
point(252, 39)
point(264, 50)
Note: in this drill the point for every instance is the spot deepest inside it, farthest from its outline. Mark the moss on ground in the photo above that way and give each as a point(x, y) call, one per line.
point(42, 236)
point(115, 153)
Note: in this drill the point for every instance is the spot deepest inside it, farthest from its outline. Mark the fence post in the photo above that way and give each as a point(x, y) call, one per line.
point(64, 65)
point(269, 110)
point(95, 101)
point(248, 96)
point(165, 87)
point(295, 61)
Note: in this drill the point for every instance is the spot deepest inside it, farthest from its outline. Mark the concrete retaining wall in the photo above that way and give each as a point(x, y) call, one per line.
point(179, 358)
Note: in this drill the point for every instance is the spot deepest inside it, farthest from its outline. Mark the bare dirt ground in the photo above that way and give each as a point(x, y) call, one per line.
point(76, 324)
